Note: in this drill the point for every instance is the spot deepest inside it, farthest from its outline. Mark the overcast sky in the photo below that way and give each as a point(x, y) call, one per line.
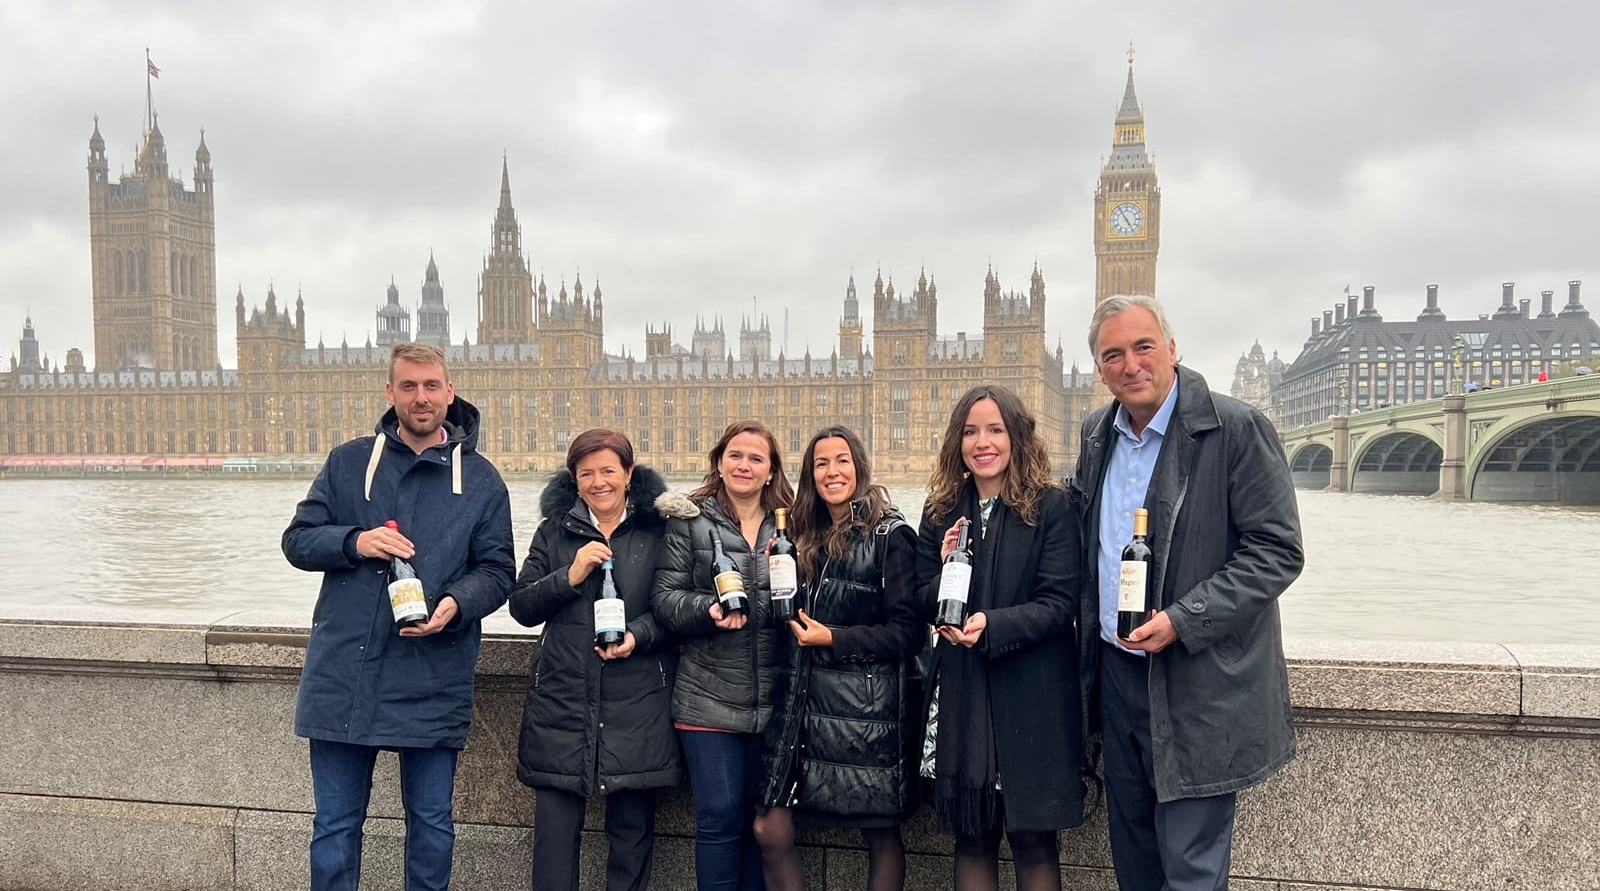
point(694, 155)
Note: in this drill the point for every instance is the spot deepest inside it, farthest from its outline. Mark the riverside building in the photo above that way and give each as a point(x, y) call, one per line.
point(1356, 361)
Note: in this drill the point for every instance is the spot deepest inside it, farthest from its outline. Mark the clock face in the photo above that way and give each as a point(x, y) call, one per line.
point(1126, 218)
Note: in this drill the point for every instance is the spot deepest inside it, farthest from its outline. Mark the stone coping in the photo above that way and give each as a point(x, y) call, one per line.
point(1497, 681)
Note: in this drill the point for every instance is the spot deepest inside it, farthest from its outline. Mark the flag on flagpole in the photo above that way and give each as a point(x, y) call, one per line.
point(154, 71)
point(1346, 287)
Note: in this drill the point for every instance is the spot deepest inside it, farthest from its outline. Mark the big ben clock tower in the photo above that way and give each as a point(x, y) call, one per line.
point(1127, 207)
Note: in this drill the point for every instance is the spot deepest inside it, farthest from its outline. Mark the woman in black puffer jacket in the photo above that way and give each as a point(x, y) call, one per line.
point(838, 753)
point(732, 664)
point(597, 719)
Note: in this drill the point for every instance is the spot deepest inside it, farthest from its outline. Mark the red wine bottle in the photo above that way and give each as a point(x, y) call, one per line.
point(955, 581)
point(781, 571)
point(728, 580)
point(610, 615)
point(406, 597)
point(1133, 584)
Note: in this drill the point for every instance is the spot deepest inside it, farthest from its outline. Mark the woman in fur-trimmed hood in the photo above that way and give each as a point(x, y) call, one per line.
point(596, 719)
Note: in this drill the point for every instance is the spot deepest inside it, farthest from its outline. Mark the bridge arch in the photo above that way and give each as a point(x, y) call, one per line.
point(1551, 457)
point(1398, 462)
point(1311, 466)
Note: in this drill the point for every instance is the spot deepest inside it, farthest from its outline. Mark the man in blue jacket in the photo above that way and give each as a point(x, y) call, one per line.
point(1194, 703)
point(366, 686)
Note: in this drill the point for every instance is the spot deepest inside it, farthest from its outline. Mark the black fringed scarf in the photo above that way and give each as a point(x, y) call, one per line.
point(965, 764)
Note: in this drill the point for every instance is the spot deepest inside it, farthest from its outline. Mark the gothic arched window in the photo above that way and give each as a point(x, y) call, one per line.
point(116, 264)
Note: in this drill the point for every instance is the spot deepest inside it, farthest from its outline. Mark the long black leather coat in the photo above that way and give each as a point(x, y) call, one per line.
point(584, 717)
point(848, 724)
point(727, 680)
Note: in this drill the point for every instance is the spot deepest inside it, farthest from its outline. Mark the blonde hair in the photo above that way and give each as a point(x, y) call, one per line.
point(420, 353)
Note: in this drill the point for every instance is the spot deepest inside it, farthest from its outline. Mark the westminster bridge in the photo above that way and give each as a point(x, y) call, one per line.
point(1533, 442)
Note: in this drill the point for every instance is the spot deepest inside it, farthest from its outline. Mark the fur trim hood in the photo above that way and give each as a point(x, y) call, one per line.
point(676, 505)
point(561, 494)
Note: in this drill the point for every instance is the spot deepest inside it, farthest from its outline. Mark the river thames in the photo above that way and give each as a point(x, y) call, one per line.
point(1377, 567)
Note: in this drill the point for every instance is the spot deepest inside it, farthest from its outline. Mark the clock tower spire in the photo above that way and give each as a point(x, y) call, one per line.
point(1127, 207)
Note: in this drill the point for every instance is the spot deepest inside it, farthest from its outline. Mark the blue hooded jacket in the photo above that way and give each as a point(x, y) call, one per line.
point(363, 683)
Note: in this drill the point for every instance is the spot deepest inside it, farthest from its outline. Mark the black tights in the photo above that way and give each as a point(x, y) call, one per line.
point(886, 854)
point(1034, 855)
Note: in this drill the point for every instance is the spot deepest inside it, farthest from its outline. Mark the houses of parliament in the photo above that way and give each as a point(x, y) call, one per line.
point(536, 365)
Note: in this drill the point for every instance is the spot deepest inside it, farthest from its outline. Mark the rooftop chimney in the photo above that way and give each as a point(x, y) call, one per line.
point(1508, 308)
point(1574, 309)
point(1327, 321)
point(1367, 310)
point(1547, 304)
point(1350, 308)
point(1432, 311)
point(1338, 313)
point(1316, 327)
point(1522, 307)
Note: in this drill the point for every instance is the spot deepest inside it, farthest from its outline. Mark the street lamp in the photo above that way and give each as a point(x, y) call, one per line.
point(1344, 390)
point(1458, 348)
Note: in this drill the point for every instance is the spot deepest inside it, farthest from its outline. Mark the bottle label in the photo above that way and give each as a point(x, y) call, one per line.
point(407, 600)
point(1131, 587)
point(782, 576)
point(610, 615)
point(954, 581)
point(729, 584)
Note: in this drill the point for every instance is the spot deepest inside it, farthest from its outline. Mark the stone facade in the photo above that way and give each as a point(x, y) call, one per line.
point(538, 368)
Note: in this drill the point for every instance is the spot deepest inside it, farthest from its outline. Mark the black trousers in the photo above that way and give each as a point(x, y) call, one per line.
point(557, 830)
point(1181, 845)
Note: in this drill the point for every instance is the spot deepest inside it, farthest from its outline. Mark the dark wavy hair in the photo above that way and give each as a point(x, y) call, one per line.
point(817, 537)
point(590, 441)
point(1027, 475)
point(778, 494)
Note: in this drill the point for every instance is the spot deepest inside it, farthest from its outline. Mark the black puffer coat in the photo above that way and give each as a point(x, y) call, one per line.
point(586, 717)
point(727, 680)
point(849, 722)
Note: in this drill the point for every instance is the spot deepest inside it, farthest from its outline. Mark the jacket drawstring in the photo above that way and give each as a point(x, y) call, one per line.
point(372, 463)
point(377, 455)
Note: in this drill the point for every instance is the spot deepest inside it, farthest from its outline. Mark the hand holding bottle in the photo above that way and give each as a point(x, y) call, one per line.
point(618, 650)
point(586, 561)
point(442, 616)
point(969, 633)
point(1153, 636)
point(384, 542)
point(809, 632)
point(727, 621)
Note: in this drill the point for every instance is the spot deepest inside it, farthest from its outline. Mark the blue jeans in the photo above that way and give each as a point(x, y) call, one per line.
point(725, 775)
point(341, 782)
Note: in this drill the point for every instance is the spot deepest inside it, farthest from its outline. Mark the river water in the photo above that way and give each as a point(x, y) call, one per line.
point(1377, 567)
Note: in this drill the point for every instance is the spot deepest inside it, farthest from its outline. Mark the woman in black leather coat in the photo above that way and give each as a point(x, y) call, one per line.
point(837, 752)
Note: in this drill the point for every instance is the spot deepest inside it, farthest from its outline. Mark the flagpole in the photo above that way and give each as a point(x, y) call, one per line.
point(148, 101)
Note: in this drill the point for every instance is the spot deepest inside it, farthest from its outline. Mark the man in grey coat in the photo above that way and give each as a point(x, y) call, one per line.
point(1194, 703)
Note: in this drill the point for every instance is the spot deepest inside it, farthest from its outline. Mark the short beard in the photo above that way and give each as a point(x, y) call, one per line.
point(421, 432)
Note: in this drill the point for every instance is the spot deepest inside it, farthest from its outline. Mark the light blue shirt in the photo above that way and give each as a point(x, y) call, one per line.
point(1127, 480)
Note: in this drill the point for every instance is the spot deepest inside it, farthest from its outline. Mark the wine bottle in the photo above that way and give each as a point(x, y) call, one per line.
point(1133, 584)
point(955, 580)
point(728, 580)
point(406, 597)
point(610, 615)
point(781, 571)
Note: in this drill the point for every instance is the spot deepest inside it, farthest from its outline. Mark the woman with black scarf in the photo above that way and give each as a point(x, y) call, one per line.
point(1003, 741)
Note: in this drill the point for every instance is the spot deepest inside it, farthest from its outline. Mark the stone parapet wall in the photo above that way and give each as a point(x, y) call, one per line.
point(162, 757)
